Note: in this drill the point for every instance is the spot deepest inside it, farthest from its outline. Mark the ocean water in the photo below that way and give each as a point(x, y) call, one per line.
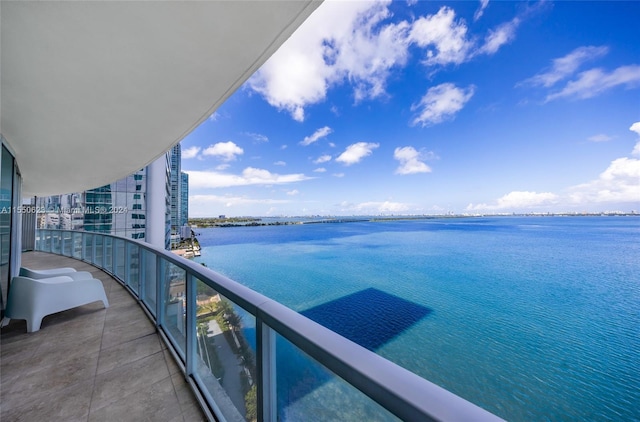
point(531, 318)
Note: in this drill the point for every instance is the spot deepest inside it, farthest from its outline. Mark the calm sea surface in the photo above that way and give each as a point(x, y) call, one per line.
point(532, 318)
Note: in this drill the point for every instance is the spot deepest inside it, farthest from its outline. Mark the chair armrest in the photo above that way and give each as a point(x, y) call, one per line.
point(39, 274)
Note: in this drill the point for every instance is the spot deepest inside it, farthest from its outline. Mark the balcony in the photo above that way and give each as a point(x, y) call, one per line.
point(91, 363)
point(244, 356)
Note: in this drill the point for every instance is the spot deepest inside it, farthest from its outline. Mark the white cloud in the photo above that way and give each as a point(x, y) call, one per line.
point(444, 38)
point(356, 152)
point(215, 116)
point(190, 152)
point(619, 183)
point(249, 176)
point(517, 200)
point(566, 66)
point(601, 137)
point(293, 192)
point(258, 137)
point(339, 41)
point(480, 11)
point(207, 205)
point(596, 81)
point(322, 159)
point(280, 163)
point(320, 170)
point(318, 134)
point(226, 151)
point(410, 161)
point(338, 175)
point(352, 42)
point(636, 128)
point(503, 34)
point(440, 103)
point(374, 207)
point(368, 56)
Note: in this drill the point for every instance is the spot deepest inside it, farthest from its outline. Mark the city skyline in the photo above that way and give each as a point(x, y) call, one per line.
point(430, 108)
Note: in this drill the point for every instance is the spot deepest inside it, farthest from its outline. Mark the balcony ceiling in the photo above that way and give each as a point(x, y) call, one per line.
point(92, 91)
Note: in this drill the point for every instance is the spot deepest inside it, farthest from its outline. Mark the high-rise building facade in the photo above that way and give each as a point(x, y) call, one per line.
point(119, 208)
point(175, 179)
point(122, 207)
point(184, 199)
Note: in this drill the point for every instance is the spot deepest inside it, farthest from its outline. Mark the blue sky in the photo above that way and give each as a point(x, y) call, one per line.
point(428, 108)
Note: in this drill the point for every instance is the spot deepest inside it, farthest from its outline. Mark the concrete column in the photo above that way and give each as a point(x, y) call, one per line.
point(156, 202)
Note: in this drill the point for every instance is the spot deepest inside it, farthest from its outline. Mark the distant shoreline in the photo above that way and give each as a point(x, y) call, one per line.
point(286, 221)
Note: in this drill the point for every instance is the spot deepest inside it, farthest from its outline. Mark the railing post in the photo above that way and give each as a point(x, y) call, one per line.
point(114, 257)
point(104, 252)
point(142, 274)
point(127, 263)
point(266, 369)
point(160, 273)
point(92, 256)
point(190, 352)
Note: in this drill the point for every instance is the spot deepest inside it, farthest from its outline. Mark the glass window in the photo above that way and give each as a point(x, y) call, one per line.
point(6, 196)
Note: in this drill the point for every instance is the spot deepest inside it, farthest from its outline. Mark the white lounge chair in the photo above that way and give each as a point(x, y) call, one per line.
point(55, 272)
point(33, 299)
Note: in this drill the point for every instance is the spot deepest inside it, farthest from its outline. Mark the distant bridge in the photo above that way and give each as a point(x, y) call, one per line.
point(338, 220)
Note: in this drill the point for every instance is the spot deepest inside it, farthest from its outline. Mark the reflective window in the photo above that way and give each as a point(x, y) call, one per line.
point(6, 185)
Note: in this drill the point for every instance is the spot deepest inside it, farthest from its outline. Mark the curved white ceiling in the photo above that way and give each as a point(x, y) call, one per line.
point(92, 91)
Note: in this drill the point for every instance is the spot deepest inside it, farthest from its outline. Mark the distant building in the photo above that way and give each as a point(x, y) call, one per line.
point(119, 208)
point(96, 200)
point(184, 199)
point(175, 157)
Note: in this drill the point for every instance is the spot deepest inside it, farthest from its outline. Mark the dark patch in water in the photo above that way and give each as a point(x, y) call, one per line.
point(369, 317)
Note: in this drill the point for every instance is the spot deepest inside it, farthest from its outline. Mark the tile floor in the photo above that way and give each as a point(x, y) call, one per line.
point(91, 363)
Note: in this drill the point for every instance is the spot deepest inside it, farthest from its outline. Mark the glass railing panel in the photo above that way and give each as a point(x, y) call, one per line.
point(67, 243)
point(134, 267)
point(56, 242)
point(222, 346)
point(119, 251)
point(174, 294)
point(37, 246)
point(306, 390)
point(225, 348)
point(77, 245)
point(149, 290)
point(107, 255)
point(41, 240)
point(48, 243)
point(99, 242)
point(88, 247)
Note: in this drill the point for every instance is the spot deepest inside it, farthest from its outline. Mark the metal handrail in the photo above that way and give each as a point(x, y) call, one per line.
point(401, 392)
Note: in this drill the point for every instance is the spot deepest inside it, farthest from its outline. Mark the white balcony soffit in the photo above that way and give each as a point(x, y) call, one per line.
point(92, 91)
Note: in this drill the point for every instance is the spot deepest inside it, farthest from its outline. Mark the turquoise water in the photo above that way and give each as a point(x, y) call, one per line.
point(534, 318)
